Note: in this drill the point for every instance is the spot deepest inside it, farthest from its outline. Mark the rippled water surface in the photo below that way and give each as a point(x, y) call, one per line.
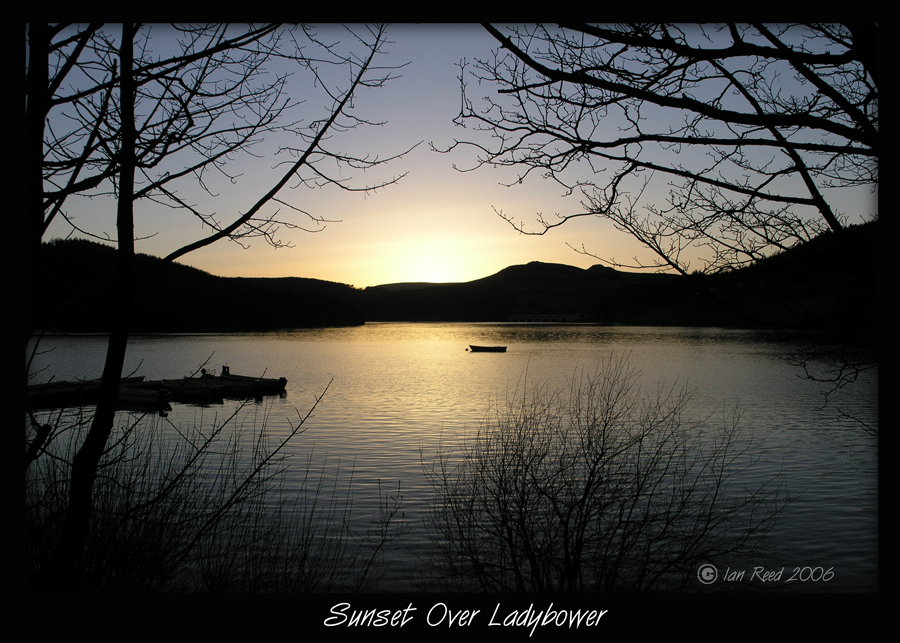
point(395, 390)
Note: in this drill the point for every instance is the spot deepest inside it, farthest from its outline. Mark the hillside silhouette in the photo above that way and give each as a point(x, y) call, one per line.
point(77, 277)
point(829, 282)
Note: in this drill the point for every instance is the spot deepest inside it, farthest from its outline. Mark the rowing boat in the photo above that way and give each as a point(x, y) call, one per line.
point(241, 385)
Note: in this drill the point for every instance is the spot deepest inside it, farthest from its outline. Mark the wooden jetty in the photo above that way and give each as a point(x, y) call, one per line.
point(137, 394)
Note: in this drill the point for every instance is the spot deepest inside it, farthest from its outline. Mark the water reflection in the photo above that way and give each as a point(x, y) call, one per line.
point(398, 389)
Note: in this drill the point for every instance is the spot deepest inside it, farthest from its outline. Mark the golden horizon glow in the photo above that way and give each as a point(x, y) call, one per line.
point(436, 224)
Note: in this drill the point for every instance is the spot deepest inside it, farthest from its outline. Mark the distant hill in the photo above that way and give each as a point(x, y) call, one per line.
point(533, 289)
point(831, 281)
point(77, 280)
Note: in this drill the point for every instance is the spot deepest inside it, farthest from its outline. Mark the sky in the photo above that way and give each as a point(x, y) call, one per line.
point(437, 224)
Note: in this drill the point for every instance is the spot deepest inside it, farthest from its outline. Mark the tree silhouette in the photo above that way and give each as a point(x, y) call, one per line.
point(756, 127)
point(600, 487)
point(136, 112)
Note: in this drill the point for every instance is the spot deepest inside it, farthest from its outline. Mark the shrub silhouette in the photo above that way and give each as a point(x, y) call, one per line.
point(203, 509)
point(604, 489)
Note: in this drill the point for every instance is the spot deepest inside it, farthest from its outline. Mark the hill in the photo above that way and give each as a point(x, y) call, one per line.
point(829, 282)
point(77, 279)
point(530, 290)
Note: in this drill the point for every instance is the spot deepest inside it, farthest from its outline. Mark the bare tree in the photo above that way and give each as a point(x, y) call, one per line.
point(133, 112)
point(756, 127)
point(202, 96)
point(205, 509)
point(601, 488)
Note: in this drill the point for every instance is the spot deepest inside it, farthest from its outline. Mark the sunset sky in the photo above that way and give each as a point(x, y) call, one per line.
point(437, 224)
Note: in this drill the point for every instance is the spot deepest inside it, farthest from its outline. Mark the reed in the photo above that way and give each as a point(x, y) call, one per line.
point(599, 488)
point(202, 509)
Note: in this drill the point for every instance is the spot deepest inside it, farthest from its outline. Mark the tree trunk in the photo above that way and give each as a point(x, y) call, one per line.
point(36, 109)
point(87, 460)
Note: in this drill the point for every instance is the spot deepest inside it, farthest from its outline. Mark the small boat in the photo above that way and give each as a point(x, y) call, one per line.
point(143, 399)
point(487, 349)
point(193, 389)
point(245, 385)
point(62, 394)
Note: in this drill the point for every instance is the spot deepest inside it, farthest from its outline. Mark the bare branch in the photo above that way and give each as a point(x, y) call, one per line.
point(751, 124)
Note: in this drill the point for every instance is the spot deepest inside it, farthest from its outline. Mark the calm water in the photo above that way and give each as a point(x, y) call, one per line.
point(397, 389)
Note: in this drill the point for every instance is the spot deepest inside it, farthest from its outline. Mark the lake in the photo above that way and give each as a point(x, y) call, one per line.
point(395, 391)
